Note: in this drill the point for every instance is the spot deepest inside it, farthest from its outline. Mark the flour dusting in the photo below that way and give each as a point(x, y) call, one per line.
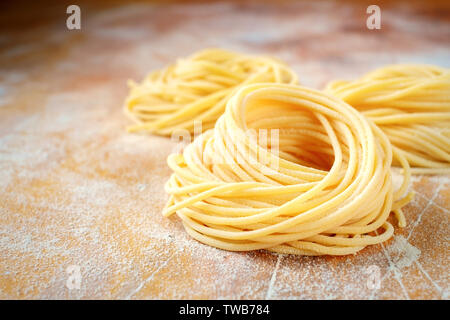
point(77, 189)
point(402, 253)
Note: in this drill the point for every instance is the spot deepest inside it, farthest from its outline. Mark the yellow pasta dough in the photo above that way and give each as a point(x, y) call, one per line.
point(411, 104)
point(197, 88)
point(290, 170)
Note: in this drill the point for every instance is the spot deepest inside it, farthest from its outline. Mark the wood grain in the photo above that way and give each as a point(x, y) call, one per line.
point(76, 189)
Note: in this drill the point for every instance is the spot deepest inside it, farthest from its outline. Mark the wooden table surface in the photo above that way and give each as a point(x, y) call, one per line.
point(77, 190)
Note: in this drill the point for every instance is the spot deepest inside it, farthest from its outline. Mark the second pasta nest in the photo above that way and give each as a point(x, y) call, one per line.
point(197, 88)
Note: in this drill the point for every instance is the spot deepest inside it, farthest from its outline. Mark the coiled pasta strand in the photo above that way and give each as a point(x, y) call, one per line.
point(197, 88)
point(411, 104)
point(320, 185)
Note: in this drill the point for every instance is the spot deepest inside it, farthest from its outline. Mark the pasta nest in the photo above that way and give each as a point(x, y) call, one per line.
point(411, 104)
point(197, 88)
point(287, 169)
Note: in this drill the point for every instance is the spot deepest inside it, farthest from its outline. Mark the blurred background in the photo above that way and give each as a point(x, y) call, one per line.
point(319, 39)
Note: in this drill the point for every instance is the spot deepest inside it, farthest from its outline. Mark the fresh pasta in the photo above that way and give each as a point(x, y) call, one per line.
point(291, 170)
point(411, 104)
point(197, 88)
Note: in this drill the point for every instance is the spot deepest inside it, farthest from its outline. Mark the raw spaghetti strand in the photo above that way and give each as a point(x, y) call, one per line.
point(322, 187)
point(411, 104)
point(197, 88)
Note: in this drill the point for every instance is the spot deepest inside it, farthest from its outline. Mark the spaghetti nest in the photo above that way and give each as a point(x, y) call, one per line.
point(411, 104)
point(197, 88)
point(287, 169)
